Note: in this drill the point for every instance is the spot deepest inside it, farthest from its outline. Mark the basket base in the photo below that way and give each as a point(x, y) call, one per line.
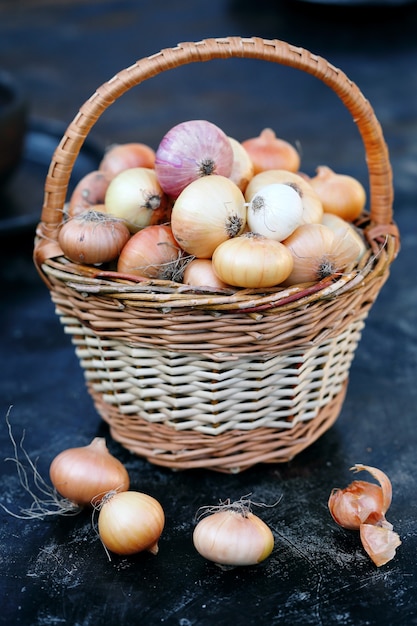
point(230, 452)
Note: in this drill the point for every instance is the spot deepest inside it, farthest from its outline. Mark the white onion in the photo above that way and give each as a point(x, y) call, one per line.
point(190, 150)
point(312, 205)
point(275, 211)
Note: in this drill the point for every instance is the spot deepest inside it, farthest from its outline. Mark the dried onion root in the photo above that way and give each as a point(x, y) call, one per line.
point(78, 476)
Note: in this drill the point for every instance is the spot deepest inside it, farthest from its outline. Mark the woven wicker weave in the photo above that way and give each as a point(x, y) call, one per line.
point(190, 378)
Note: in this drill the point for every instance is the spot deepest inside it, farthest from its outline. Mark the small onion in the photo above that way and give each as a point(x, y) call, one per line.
point(208, 211)
point(136, 196)
point(268, 152)
point(318, 252)
point(89, 192)
point(190, 150)
point(124, 156)
point(130, 522)
point(340, 194)
point(275, 211)
point(343, 228)
point(242, 168)
point(231, 535)
point(93, 237)
point(252, 261)
point(200, 273)
point(312, 205)
point(87, 473)
point(151, 252)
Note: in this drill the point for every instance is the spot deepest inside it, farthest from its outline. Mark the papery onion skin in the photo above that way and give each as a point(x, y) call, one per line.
point(136, 196)
point(252, 261)
point(380, 543)
point(269, 152)
point(340, 194)
point(93, 237)
point(362, 502)
point(120, 157)
point(230, 538)
point(275, 211)
point(87, 473)
point(208, 211)
point(151, 252)
point(130, 522)
point(190, 150)
point(312, 205)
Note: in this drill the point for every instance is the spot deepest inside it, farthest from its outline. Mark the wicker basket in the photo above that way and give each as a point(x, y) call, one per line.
point(188, 378)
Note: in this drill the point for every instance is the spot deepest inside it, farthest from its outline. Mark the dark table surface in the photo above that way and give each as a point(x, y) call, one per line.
point(54, 571)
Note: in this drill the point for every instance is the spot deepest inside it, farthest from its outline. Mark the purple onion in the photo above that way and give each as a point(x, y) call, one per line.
point(189, 151)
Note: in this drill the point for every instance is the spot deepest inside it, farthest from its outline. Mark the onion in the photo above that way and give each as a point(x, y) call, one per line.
point(152, 252)
point(252, 261)
point(340, 194)
point(231, 535)
point(89, 192)
point(86, 473)
point(275, 211)
point(268, 152)
point(200, 273)
point(190, 150)
point(120, 157)
point(78, 476)
point(343, 228)
point(318, 252)
point(208, 211)
point(130, 522)
point(312, 206)
point(136, 196)
point(242, 168)
point(93, 237)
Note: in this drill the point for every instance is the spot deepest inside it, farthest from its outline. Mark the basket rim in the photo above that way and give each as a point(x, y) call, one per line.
point(90, 282)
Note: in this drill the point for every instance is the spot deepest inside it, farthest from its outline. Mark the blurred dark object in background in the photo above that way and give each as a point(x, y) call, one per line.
point(362, 3)
point(13, 117)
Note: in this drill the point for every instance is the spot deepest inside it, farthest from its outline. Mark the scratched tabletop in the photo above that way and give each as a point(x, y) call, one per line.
point(55, 570)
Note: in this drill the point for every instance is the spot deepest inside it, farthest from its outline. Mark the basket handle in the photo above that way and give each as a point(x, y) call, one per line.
point(59, 173)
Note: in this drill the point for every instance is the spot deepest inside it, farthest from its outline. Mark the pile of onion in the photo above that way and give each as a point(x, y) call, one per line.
point(243, 207)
